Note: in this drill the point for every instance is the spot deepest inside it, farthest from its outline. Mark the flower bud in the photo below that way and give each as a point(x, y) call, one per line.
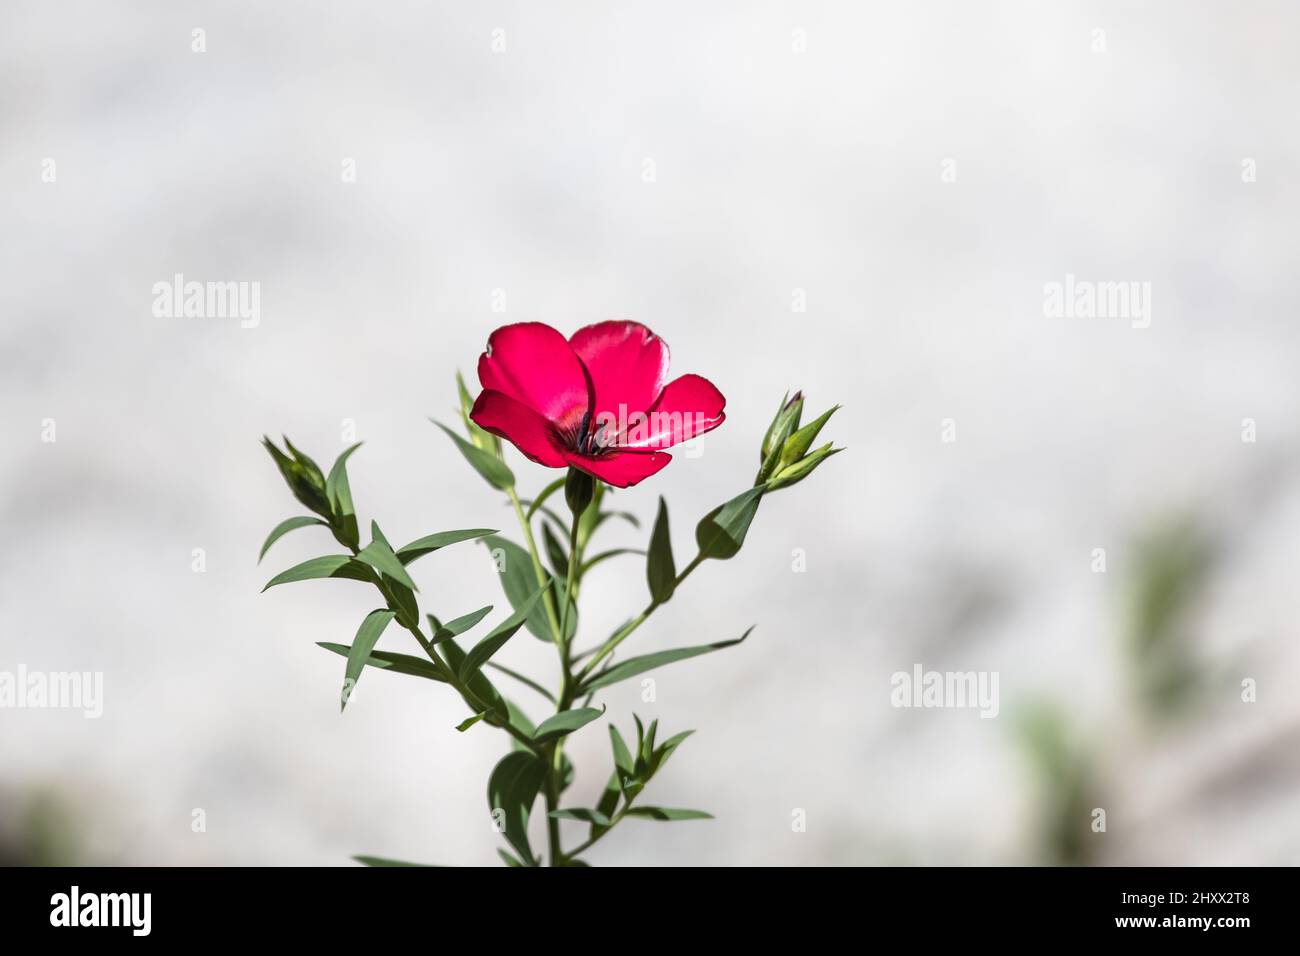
point(797, 445)
point(801, 469)
point(783, 424)
point(579, 487)
point(302, 475)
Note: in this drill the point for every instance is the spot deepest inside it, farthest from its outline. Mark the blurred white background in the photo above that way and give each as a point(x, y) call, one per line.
point(797, 148)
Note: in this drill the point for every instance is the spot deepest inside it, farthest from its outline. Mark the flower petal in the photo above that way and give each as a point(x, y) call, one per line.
point(688, 406)
point(520, 425)
point(627, 364)
point(621, 469)
point(534, 364)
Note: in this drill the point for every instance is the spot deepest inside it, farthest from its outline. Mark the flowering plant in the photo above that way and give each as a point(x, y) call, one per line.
point(596, 405)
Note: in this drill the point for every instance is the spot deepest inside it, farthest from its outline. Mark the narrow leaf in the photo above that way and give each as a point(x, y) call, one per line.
point(382, 861)
point(283, 528)
point(456, 627)
point(545, 493)
point(397, 663)
point(583, 814)
point(667, 813)
point(359, 653)
point(469, 722)
point(639, 665)
point(485, 648)
point(329, 566)
point(526, 681)
point(339, 494)
point(661, 570)
point(492, 468)
point(555, 552)
point(430, 543)
point(608, 802)
point(519, 582)
point(622, 756)
point(565, 723)
point(660, 756)
point(499, 710)
point(380, 556)
point(605, 556)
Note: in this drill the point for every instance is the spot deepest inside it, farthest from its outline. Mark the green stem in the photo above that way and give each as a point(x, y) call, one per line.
point(564, 699)
point(623, 632)
point(548, 599)
point(453, 679)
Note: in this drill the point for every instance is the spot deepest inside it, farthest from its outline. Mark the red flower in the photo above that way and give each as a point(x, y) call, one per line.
point(596, 402)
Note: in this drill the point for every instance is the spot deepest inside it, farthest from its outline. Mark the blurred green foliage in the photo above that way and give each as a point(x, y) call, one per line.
point(1172, 564)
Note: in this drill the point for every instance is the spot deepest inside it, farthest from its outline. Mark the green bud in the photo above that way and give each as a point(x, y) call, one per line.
point(801, 469)
point(797, 445)
point(783, 424)
point(302, 475)
point(579, 487)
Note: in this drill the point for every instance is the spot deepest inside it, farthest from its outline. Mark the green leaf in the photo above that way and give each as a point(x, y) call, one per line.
point(397, 663)
point(512, 788)
point(622, 756)
point(639, 665)
point(379, 555)
point(519, 582)
point(469, 722)
point(660, 756)
point(492, 468)
point(485, 648)
point(546, 492)
point(627, 516)
point(499, 709)
point(608, 802)
point(430, 543)
point(721, 532)
point(605, 556)
point(666, 813)
point(382, 861)
point(638, 766)
point(661, 570)
point(456, 627)
point(565, 723)
point(510, 859)
point(339, 494)
point(359, 653)
point(283, 528)
point(526, 681)
point(583, 814)
point(648, 745)
point(555, 552)
point(328, 566)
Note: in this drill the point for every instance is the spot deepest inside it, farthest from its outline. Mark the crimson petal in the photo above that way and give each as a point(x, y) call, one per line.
point(688, 407)
point(621, 469)
point(534, 364)
point(520, 425)
point(627, 364)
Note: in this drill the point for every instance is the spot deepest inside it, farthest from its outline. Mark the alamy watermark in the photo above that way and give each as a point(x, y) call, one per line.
point(75, 908)
point(1084, 299)
point(946, 689)
point(179, 299)
point(53, 690)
